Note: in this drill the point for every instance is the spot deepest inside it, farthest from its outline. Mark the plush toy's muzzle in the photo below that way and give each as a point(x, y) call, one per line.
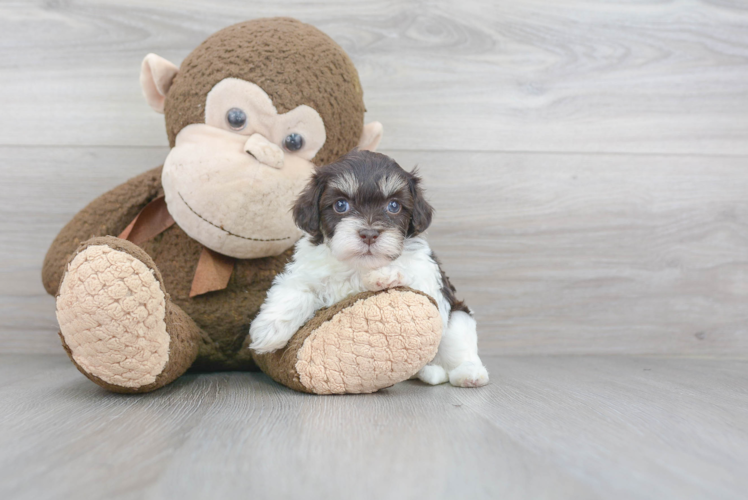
point(226, 198)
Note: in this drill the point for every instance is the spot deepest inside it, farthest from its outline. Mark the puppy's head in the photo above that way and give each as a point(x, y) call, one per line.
point(363, 206)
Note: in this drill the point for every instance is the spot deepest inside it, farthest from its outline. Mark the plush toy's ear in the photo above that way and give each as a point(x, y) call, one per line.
point(370, 136)
point(306, 209)
point(156, 77)
point(420, 218)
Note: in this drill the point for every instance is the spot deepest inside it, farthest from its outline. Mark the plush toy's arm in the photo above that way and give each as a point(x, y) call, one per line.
point(109, 214)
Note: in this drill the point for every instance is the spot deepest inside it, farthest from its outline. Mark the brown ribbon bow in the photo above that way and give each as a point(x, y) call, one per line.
point(213, 269)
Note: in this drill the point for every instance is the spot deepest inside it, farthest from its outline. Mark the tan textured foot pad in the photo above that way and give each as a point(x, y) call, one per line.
point(111, 310)
point(371, 341)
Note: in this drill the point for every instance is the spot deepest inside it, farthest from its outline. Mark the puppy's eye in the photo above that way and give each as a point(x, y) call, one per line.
point(293, 142)
point(341, 206)
point(393, 207)
point(236, 118)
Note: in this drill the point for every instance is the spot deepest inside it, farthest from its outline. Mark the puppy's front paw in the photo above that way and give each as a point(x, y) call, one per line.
point(383, 278)
point(469, 374)
point(268, 337)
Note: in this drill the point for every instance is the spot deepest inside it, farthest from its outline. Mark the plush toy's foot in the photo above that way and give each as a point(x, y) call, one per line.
point(117, 322)
point(363, 344)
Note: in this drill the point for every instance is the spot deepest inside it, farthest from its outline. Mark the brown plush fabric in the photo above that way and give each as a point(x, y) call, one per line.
point(225, 314)
point(109, 214)
point(185, 336)
point(293, 62)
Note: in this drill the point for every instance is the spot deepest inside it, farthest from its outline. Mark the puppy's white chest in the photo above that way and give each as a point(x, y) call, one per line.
point(338, 285)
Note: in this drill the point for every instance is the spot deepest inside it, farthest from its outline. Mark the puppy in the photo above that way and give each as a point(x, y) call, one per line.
point(362, 216)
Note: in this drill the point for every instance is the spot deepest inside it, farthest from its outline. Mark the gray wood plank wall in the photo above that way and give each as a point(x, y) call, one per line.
point(587, 160)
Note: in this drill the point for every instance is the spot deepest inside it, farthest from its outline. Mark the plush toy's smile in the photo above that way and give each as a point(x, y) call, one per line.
point(226, 230)
point(227, 200)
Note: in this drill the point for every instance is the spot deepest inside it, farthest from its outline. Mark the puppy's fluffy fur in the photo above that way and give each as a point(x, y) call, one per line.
point(362, 217)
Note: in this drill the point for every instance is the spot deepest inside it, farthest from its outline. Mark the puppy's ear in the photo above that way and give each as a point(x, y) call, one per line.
point(306, 209)
point(420, 218)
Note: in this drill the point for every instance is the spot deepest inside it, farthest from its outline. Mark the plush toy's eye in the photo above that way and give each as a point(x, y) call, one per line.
point(237, 118)
point(393, 207)
point(293, 142)
point(341, 206)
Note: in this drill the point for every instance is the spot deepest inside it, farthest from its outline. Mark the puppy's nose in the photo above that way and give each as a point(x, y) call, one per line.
point(369, 235)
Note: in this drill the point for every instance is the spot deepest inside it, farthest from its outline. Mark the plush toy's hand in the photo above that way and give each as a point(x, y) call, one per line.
point(383, 278)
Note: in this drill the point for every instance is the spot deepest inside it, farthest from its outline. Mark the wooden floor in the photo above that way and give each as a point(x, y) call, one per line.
point(547, 427)
point(589, 166)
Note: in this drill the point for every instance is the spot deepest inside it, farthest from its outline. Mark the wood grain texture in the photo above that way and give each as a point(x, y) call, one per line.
point(595, 253)
point(546, 428)
point(536, 75)
point(556, 253)
point(559, 250)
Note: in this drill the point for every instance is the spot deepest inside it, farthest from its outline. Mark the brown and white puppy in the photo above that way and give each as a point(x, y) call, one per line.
point(362, 217)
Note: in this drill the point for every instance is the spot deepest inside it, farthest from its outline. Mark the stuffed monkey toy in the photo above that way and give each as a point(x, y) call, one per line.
point(165, 272)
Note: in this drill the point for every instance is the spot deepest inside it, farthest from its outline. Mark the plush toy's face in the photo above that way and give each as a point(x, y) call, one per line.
point(230, 182)
point(234, 172)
